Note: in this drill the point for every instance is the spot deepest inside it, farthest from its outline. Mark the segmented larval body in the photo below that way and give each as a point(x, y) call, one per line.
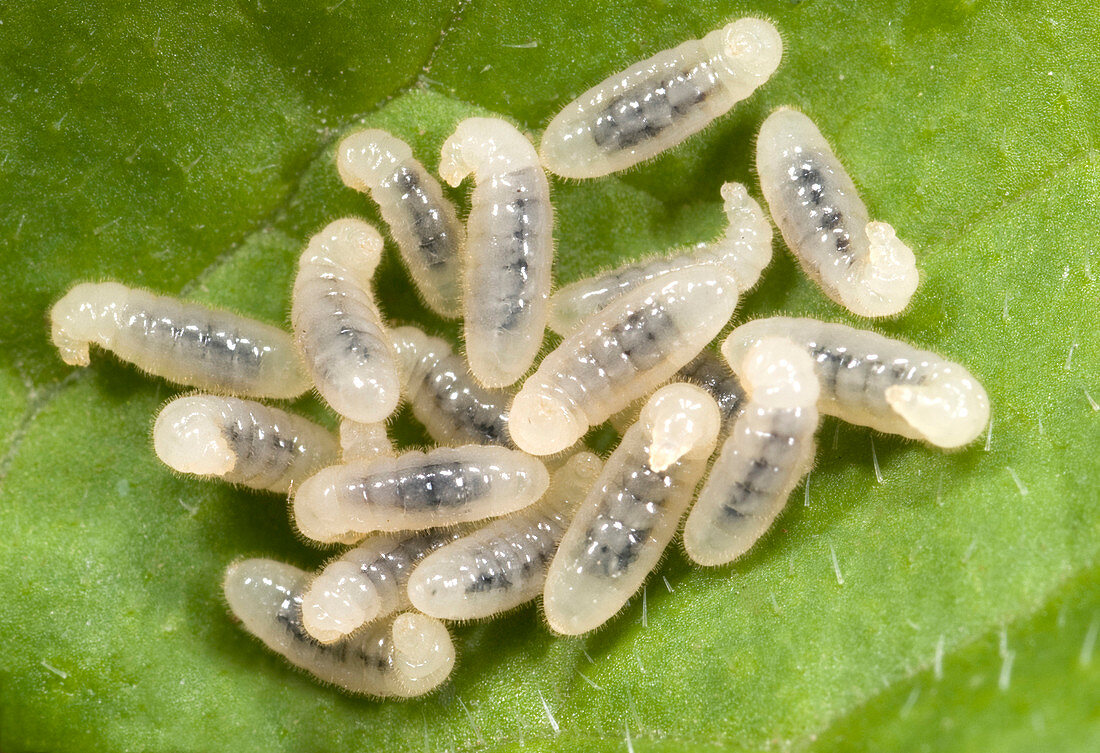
point(422, 221)
point(186, 343)
point(453, 407)
point(443, 487)
point(404, 656)
point(504, 564)
point(871, 380)
point(620, 354)
point(509, 247)
point(241, 441)
point(859, 264)
point(745, 249)
point(659, 102)
point(364, 441)
point(366, 583)
point(618, 534)
point(769, 450)
point(337, 325)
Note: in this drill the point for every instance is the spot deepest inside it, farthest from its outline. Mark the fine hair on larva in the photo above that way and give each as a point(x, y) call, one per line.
point(504, 564)
point(187, 343)
point(421, 219)
point(858, 263)
point(509, 247)
point(401, 657)
point(872, 380)
point(364, 441)
point(620, 531)
point(745, 248)
point(241, 441)
point(659, 102)
point(337, 325)
point(769, 449)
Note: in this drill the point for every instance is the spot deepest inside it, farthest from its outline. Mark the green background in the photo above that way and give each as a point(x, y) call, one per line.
point(188, 147)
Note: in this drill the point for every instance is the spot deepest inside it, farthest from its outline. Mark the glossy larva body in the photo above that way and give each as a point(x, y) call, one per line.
point(422, 221)
point(509, 247)
point(621, 529)
point(337, 325)
point(406, 656)
point(617, 356)
point(443, 487)
point(364, 441)
point(859, 264)
point(366, 583)
point(453, 407)
point(241, 441)
point(745, 249)
point(875, 381)
point(659, 102)
point(504, 564)
point(768, 451)
point(186, 343)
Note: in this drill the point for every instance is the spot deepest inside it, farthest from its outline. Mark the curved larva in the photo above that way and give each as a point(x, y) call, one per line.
point(241, 441)
point(659, 102)
point(443, 487)
point(366, 583)
point(453, 407)
point(871, 380)
point(403, 657)
point(337, 325)
point(364, 441)
point(509, 247)
point(620, 354)
point(186, 343)
point(422, 221)
point(745, 249)
point(629, 516)
point(504, 564)
point(859, 264)
point(769, 450)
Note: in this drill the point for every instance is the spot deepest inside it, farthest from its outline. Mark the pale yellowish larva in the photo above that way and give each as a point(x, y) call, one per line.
point(769, 450)
point(623, 352)
point(745, 249)
point(859, 264)
point(453, 407)
point(337, 325)
point(186, 343)
point(364, 441)
point(406, 656)
point(659, 102)
point(443, 487)
point(626, 521)
point(366, 583)
point(504, 564)
point(241, 441)
point(509, 247)
point(875, 381)
point(422, 221)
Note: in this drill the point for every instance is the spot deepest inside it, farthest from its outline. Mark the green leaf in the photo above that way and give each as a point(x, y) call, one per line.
point(187, 147)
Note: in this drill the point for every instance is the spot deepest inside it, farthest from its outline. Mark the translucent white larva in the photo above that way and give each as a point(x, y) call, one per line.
point(745, 249)
point(617, 356)
point(364, 441)
point(859, 264)
point(509, 247)
point(629, 516)
point(504, 564)
point(422, 221)
point(337, 325)
point(871, 380)
point(186, 343)
point(445, 486)
point(241, 441)
point(659, 102)
point(769, 450)
point(453, 407)
point(366, 582)
point(406, 656)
